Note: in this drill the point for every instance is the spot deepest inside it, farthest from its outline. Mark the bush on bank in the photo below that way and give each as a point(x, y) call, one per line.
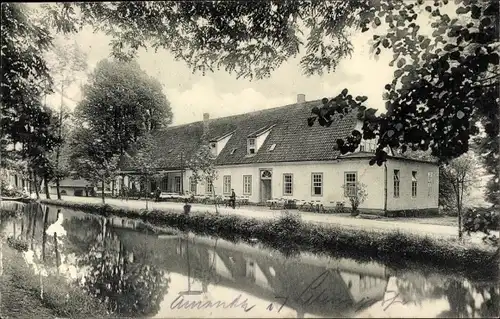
point(290, 234)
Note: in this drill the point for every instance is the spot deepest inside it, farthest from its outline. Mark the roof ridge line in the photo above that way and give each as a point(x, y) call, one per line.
point(248, 113)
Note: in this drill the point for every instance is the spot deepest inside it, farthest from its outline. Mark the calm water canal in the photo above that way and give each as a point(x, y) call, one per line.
point(173, 274)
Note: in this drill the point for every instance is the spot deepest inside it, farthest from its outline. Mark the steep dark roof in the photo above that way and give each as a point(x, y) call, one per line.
point(294, 139)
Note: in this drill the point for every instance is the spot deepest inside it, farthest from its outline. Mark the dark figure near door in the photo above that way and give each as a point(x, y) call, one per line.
point(187, 207)
point(86, 191)
point(157, 194)
point(233, 199)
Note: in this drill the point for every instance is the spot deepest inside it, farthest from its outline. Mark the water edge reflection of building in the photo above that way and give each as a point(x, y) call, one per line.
point(339, 288)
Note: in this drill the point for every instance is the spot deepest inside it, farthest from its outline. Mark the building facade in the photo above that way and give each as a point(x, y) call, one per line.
point(273, 154)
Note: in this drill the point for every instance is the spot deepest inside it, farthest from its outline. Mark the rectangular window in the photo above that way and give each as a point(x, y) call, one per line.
point(361, 148)
point(429, 183)
point(287, 184)
point(413, 184)
point(193, 185)
point(177, 184)
point(247, 184)
point(227, 184)
point(350, 184)
point(251, 146)
point(210, 186)
point(396, 183)
point(317, 184)
point(163, 185)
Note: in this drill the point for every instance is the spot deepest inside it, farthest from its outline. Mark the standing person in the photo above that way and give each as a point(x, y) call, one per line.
point(233, 199)
point(125, 192)
point(157, 194)
point(86, 190)
point(187, 207)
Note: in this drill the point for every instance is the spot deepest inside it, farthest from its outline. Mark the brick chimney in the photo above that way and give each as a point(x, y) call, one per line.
point(206, 119)
point(301, 98)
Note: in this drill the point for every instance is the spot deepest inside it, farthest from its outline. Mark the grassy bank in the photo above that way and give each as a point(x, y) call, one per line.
point(21, 298)
point(290, 234)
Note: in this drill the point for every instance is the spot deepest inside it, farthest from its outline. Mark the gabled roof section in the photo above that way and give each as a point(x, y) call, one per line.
point(216, 139)
point(294, 139)
point(260, 131)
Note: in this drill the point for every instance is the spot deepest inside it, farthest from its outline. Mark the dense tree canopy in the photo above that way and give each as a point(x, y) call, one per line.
point(122, 103)
point(248, 38)
point(25, 77)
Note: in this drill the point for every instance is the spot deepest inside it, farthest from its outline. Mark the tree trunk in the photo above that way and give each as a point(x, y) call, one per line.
point(459, 212)
point(44, 234)
point(215, 199)
point(102, 191)
point(46, 186)
point(34, 226)
point(58, 187)
point(35, 181)
point(58, 148)
point(147, 192)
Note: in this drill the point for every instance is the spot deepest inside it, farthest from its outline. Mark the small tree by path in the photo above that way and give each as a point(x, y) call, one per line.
point(202, 166)
point(145, 161)
point(356, 194)
point(460, 174)
point(91, 158)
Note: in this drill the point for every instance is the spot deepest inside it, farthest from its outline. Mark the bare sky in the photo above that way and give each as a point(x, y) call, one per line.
point(221, 94)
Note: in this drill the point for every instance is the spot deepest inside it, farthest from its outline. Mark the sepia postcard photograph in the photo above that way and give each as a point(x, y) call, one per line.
point(250, 159)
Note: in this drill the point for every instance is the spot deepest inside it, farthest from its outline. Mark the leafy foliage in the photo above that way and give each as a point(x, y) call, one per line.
point(460, 174)
point(445, 86)
point(250, 39)
point(355, 196)
point(92, 157)
point(135, 104)
point(145, 161)
point(202, 165)
point(25, 76)
point(127, 284)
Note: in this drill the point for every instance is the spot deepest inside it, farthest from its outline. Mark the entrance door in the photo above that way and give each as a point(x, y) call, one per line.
point(265, 185)
point(265, 190)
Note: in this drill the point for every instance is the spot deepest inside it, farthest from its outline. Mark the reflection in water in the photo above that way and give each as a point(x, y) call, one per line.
point(137, 273)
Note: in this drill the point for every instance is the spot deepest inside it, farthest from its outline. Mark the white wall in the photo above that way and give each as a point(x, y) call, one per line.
point(333, 179)
point(406, 201)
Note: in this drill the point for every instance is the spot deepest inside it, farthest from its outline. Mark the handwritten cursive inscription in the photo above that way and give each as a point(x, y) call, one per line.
point(315, 293)
point(181, 303)
point(393, 299)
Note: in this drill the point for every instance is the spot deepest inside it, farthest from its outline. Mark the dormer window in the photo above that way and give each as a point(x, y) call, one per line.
point(233, 150)
point(271, 148)
point(213, 148)
point(251, 146)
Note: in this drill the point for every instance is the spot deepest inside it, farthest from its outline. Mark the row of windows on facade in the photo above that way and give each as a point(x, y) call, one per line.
point(414, 183)
point(350, 179)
